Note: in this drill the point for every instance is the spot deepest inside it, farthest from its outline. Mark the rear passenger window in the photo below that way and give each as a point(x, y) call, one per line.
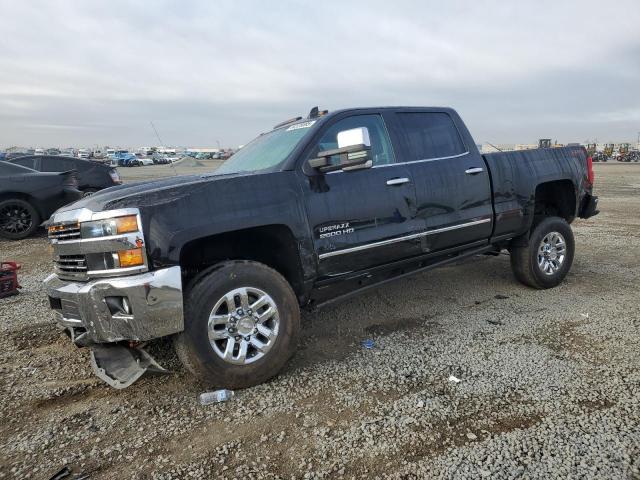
point(28, 162)
point(429, 135)
point(57, 164)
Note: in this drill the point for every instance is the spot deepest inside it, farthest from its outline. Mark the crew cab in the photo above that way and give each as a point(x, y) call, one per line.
point(314, 210)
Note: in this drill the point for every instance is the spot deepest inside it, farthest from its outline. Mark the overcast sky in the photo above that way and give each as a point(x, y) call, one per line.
point(89, 72)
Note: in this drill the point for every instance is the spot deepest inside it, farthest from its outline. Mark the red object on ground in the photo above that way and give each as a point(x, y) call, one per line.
point(9, 279)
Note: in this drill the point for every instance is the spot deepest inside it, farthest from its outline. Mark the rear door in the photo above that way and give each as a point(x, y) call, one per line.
point(366, 217)
point(452, 182)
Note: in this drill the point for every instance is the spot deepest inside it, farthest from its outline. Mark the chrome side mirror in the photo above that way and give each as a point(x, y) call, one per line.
point(354, 148)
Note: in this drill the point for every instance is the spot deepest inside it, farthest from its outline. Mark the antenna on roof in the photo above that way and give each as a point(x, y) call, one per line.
point(162, 144)
point(499, 149)
point(314, 112)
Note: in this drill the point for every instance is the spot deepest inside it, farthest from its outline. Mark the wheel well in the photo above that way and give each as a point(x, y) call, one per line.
point(272, 245)
point(557, 198)
point(22, 196)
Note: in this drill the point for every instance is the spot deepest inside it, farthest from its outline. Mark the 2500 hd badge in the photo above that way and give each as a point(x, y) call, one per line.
point(335, 230)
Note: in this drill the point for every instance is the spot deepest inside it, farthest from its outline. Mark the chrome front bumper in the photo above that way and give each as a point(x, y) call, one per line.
point(155, 299)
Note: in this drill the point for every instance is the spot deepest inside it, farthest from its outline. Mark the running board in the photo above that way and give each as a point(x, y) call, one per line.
point(120, 366)
point(449, 259)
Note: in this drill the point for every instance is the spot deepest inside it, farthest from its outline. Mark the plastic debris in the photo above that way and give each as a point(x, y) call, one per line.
point(585, 315)
point(368, 344)
point(64, 472)
point(216, 396)
point(454, 379)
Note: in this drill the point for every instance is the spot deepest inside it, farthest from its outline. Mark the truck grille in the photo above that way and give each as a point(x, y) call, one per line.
point(71, 266)
point(64, 232)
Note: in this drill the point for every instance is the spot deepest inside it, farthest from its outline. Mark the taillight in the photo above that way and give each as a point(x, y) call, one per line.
point(70, 180)
point(115, 176)
point(590, 174)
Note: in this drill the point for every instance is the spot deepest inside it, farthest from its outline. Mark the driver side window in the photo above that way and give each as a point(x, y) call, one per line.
point(381, 150)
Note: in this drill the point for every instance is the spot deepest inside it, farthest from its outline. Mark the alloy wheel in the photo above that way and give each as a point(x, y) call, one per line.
point(15, 219)
point(551, 253)
point(243, 325)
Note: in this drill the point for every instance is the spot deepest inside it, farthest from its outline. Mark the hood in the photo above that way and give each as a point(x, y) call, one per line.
point(153, 192)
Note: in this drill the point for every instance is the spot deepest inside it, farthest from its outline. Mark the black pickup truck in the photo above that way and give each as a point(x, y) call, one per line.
point(316, 209)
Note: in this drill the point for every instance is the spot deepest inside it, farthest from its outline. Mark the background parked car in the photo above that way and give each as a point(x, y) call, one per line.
point(126, 159)
point(92, 176)
point(159, 159)
point(28, 197)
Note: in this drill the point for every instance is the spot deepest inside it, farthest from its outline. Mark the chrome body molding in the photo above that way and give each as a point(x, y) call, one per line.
point(402, 239)
point(386, 165)
point(155, 298)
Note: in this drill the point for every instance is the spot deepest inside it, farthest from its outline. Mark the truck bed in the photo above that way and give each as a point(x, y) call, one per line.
point(516, 174)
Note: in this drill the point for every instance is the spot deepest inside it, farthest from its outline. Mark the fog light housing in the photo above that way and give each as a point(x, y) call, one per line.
point(119, 305)
point(131, 258)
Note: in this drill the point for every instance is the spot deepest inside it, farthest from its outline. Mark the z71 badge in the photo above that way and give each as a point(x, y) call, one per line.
point(335, 230)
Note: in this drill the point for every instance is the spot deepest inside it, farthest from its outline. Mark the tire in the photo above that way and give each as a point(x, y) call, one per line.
point(89, 191)
point(18, 219)
point(204, 357)
point(526, 261)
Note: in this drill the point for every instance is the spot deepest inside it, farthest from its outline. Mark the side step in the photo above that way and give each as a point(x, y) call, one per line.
point(120, 366)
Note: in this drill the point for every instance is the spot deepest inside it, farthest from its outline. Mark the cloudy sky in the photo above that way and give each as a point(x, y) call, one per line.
point(89, 72)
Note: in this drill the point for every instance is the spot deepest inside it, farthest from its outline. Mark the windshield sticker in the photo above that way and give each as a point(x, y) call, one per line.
point(301, 125)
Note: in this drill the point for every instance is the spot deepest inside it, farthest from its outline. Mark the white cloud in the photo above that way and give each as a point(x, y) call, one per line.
point(199, 66)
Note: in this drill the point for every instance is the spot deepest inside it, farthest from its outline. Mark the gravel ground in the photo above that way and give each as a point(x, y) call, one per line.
point(549, 380)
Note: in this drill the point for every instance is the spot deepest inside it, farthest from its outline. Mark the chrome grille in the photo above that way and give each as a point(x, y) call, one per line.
point(71, 266)
point(65, 232)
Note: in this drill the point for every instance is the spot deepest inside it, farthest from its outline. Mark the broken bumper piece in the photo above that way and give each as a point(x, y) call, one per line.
point(107, 314)
point(107, 310)
point(120, 366)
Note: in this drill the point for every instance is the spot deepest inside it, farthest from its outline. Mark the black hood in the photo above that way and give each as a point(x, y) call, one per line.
point(139, 194)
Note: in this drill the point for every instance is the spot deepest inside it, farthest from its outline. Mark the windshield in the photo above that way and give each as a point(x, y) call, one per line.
point(267, 151)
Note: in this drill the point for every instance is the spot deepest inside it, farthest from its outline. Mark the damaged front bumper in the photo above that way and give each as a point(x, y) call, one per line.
point(104, 311)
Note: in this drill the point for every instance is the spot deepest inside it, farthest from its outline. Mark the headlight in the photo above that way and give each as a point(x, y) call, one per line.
point(109, 226)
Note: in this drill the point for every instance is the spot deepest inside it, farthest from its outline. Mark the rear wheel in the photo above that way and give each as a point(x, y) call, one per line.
point(547, 258)
point(241, 325)
point(18, 219)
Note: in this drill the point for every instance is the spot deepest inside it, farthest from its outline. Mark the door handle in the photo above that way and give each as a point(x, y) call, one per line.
point(397, 181)
point(474, 170)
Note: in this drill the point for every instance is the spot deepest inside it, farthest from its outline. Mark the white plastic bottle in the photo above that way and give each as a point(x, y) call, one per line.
point(217, 396)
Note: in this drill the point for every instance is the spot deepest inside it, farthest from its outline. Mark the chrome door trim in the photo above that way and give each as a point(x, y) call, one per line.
point(402, 239)
point(409, 163)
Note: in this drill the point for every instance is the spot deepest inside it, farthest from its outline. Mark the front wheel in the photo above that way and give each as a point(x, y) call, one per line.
point(547, 258)
point(18, 219)
point(241, 325)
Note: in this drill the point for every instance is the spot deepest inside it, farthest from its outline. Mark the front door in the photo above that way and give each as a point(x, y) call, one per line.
point(364, 217)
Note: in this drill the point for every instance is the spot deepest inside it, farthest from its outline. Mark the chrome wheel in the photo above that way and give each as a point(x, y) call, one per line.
point(243, 325)
point(15, 219)
point(551, 253)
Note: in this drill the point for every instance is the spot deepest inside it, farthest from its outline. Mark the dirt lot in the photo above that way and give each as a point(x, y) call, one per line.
point(187, 166)
point(550, 380)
